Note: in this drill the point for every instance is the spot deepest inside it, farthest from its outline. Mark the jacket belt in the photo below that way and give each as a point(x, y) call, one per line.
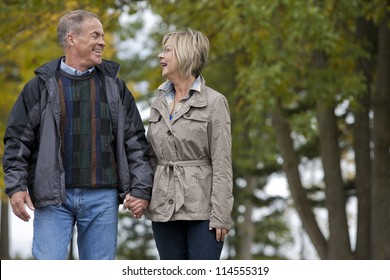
point(174, 165)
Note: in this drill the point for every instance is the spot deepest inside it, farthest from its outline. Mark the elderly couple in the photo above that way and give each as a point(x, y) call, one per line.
point(75, 149)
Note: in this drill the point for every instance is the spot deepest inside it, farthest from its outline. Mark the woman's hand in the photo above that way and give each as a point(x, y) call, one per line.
point(220, 233)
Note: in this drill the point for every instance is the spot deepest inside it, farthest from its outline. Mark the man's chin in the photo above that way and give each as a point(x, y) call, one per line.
point(99, 61)
point(96, 60)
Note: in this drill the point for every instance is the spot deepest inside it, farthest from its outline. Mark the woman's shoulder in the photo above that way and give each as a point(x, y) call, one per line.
point(213, 95)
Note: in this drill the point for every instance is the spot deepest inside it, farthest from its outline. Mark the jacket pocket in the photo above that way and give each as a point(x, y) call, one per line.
point(154, 117)
point(157, 135)
point(197, 190)
point(159, 192)
point(196, 115)
point(191, 131)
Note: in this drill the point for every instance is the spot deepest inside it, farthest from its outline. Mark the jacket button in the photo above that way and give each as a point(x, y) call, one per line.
point(169, 132)
point(170, 201)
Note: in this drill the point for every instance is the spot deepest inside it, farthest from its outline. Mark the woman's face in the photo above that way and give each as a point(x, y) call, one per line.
point(168, 61)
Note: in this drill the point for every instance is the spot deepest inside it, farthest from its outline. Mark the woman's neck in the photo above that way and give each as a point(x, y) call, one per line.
point(182, 87)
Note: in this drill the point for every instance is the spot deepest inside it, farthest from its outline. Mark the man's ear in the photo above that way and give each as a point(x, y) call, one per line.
point(71, 39)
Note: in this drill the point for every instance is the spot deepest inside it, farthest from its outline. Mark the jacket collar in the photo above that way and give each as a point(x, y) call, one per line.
point(198, 98)
point(50, 69)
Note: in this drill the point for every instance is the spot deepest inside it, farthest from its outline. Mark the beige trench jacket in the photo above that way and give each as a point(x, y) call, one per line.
point(192, 159)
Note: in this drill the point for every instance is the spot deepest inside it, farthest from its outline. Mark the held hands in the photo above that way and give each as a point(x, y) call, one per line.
point(18, 201)
point(136, 205)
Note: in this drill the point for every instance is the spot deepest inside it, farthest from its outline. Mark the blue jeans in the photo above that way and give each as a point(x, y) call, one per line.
point(186, 240)
point(93, 211)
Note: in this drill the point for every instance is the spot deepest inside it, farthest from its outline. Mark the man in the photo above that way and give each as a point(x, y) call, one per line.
point(75, 147)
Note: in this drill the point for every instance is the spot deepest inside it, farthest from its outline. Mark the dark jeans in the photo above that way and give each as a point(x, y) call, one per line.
point(186, 240)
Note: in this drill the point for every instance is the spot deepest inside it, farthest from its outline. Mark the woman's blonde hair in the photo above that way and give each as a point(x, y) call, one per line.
point(191, 50)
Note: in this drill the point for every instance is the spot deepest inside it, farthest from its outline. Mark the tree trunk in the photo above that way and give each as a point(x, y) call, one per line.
point(380, 241)
point(4, 244)
point(361, 134)
point(247, 228)
point(338, 243)
point(298, 193)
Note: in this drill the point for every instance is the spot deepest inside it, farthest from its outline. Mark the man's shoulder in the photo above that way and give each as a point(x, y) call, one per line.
point(49, 68)
point(109, 67)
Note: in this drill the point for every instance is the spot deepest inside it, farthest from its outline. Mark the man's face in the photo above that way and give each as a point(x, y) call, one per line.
point(88, 46)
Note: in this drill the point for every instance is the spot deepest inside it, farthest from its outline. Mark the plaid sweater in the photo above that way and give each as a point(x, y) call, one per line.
point(86, 132)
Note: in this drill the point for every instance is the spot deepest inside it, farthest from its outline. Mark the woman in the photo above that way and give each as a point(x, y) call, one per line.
point(190, 138)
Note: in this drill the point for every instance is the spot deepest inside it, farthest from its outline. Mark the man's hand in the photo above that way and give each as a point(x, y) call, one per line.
point(136, 205)
point(18, 201)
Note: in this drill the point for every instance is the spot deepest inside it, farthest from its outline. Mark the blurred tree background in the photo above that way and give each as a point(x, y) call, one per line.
point(308, 83)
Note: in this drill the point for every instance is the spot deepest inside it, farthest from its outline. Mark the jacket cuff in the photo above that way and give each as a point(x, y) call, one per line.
point(214, 224)
point(15, 190)
point(140, 193)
